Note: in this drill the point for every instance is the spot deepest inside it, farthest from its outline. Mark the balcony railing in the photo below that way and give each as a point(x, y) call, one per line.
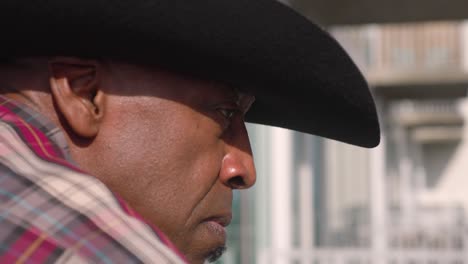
point(360, 256)
point(408, 53)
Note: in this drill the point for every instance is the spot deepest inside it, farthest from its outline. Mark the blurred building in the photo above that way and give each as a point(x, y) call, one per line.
point(320, 201)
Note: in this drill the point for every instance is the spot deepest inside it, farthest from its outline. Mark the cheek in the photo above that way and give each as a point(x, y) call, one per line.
point(164, 173)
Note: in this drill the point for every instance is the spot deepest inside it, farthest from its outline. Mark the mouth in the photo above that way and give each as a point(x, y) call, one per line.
point(223, 220)
point(217, 224)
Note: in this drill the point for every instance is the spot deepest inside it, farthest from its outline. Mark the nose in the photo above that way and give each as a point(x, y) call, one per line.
point(238, 169)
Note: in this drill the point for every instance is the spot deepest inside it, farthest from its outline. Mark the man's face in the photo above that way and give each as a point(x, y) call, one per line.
point(175, 149)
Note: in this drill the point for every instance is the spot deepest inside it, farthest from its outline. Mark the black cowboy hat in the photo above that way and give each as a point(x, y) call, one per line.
point(301, 77)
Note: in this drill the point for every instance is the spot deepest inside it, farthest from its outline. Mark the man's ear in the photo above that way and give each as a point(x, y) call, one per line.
point(75, 86)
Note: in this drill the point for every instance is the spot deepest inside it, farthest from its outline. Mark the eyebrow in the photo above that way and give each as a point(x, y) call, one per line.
point(244, 100)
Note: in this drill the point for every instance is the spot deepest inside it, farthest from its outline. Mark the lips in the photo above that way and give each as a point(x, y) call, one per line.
point(217, 224)
point(223, 220)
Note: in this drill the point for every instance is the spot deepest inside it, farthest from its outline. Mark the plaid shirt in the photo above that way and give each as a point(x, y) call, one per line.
point(53, 212)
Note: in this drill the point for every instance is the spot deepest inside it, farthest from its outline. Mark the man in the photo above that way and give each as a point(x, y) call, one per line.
point(123, 118)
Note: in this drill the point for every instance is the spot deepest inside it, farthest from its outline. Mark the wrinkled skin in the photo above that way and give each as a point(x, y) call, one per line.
point(175, 157)
point(173, 147)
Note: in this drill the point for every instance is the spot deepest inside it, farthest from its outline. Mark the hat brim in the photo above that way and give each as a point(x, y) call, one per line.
point(301, 77)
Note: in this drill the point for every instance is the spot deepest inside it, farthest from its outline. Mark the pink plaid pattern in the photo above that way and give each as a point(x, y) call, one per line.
point(51, 212)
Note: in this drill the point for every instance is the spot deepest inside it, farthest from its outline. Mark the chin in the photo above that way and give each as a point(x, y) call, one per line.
point(210, 256)
point(216, 254)
point(208, 244)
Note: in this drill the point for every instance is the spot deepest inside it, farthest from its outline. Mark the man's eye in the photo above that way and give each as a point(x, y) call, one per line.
point(227, 113)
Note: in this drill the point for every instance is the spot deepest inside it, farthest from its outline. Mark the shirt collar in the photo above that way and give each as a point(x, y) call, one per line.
point(33, 117)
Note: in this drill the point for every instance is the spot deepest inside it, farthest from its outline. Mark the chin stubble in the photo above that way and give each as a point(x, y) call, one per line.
point(216, 254)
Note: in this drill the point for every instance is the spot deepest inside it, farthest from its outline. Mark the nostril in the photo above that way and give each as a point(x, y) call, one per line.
point(236, 182)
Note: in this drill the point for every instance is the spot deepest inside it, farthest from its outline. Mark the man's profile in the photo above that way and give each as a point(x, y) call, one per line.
point(122, 123)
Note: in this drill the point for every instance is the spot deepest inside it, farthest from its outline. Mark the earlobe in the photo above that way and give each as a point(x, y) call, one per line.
point(81, 114)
